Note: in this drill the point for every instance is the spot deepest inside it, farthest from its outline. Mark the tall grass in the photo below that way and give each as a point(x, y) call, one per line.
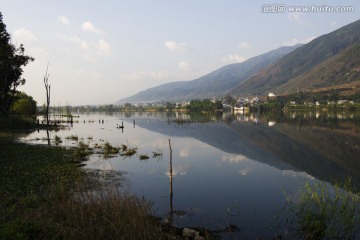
point(323, 213)
point(105, 214)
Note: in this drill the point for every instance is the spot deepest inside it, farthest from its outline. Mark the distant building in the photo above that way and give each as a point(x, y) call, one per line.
point(341, 101)
point(271, 95)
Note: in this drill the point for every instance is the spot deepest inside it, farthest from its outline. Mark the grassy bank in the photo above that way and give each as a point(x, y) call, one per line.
point(45, 195)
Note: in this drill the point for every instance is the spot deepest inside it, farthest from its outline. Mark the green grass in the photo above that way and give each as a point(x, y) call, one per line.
point(44, 195)
point(320, 213)
point(31, 176)
point(16, 123)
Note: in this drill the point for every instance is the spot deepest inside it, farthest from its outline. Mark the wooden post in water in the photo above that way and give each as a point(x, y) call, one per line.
point(171, 184)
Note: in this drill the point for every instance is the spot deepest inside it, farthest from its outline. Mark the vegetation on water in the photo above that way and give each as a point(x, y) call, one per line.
point(143, 157)
point(73, 138)
point(44, 195)
point(157, 153)
point(318, 212)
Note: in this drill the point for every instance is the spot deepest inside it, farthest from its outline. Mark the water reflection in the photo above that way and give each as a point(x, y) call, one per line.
point(224, 168)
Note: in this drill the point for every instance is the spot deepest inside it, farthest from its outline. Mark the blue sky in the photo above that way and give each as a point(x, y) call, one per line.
point(102, 51)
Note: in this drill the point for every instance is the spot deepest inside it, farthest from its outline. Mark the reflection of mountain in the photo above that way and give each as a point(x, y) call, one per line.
point(218, 135)
point(327, 154)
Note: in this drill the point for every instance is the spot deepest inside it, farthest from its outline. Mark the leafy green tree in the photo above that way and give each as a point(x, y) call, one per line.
point(24, 105)
point(12, 59)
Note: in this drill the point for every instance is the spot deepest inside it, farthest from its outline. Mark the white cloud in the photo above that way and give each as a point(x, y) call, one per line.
point(175, 46)
point(89, 27)
point(154, 75)
point(90, 58)
point(334, 25)
point(37, 51)
point(64, 20)
point(296, 17)
point(184, 65)
point(233, 58)
point(74, 40)
point(295, 41)
point(103, 47)
point(245, 46)
point(24, 35)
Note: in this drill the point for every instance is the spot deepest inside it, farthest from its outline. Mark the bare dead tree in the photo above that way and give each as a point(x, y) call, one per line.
point(47, 87)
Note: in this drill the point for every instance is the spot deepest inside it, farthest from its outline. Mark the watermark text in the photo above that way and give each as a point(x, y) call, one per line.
point(282, 8)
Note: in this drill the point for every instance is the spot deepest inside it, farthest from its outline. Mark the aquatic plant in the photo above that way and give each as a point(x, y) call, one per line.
point(128, 152)
point(123, 147)
point(82, 150)
point(109, 149)
point(157, 153)
point(143, 157)
point(319, 213)
point(73, 138)
point(57, 140)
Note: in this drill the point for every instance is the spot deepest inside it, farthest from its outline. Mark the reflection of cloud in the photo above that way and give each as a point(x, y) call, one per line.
point(297, 174)
point(185, 152)
point(270, 124)
point(180, 169)
point(245, 171)
point(234, 158)
point(98, 163)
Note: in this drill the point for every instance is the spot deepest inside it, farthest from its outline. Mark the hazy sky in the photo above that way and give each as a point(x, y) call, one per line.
point(102, 51)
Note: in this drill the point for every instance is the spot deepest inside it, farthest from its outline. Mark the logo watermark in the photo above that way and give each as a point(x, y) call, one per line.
point(282, 8)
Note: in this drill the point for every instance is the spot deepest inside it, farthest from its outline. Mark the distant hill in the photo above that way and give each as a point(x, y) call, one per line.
point(328, 60)
point(214, 84)
point(343, 68)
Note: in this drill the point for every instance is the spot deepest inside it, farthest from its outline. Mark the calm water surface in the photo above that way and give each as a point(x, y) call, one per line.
point(226, 169)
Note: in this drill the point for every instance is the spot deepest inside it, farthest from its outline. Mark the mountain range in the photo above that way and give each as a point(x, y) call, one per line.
point(330, 60)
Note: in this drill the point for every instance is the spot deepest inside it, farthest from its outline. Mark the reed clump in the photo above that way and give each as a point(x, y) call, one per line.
point(321, 213)
point(104, 214)
point(57, 140)
point(143, 157)
point(82, 151)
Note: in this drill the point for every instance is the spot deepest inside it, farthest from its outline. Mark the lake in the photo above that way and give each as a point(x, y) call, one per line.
point(225, 169)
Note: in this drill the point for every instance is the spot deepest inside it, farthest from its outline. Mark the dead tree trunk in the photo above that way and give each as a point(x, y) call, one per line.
point(47, 87)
